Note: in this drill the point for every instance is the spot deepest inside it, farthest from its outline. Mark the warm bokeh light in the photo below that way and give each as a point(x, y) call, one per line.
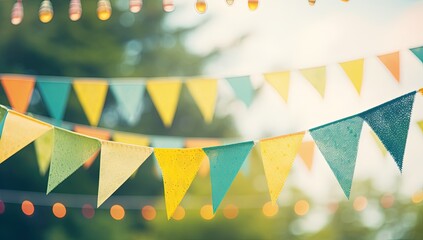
point(417, 197)
point(253, 4)
point(270, 210)
point(135, 6)
point(27, 208)
point(230, 2)
point(230, 211)
point(104, 10)
point(387, 201)
point(333, 207)
point(59, 210)
point(311, 2)
point(206, 212)
point(360, 203)
point(168, 5)
point(301, 207)
point(46, 11)
point(17, 13)
point(345, 0)
point(179, 213)
point(75, 10)
point(421, 91)
point(2, 207)
point(148, 212)
point(201, 6)
point(117, 212)
point(88, 211)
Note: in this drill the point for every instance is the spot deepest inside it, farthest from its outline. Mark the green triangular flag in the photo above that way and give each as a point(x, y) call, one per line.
point(70, 151)
point(338, 143)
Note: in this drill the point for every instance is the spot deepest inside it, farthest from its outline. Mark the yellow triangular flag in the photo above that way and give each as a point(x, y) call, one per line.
point(420, 123)
point(379, 144)
point(43, 149)
point(354, 70)
point(317, 78)
point(19, 130)
point(179, 168)
point(204, 92)
point(278, 155)
point(165, 97)
point(118, 161)
point(91, 95)
point(131, 139)
point(280, 82)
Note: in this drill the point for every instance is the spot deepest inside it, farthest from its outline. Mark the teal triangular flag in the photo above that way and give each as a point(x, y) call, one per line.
point(129, 98)
point(391, 121)
point(418, 52)
point(243, 88)
point(55, 95)
point(3, 114)
point(225, 162)
point(338, 143)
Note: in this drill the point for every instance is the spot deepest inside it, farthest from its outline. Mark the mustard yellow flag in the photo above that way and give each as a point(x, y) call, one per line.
point(420, 123)
point(165, 97)
point(204, 92)
point(19, 130)
point(43, 149)
point(280, 82)
point(179, 168)
point(118, 161)
point(354, 70)
point(317, 78)
point(278, 155)
point(131, 139)
point(91, 95)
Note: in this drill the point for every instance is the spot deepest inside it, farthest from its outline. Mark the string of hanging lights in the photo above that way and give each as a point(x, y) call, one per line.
point(104, 9)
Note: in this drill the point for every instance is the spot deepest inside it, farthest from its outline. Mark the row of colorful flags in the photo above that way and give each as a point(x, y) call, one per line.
point(165, 92)
point(337, 141)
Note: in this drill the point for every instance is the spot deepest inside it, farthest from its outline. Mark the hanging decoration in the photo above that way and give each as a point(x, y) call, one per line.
point(46, 11)
point(104, 10)
point(17, 13)
point(253, 4)
point(135, 6)
point(201, 6)
point(168, 5)
point(75, 10)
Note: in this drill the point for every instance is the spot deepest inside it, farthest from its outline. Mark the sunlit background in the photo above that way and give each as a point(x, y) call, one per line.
point(225, 41)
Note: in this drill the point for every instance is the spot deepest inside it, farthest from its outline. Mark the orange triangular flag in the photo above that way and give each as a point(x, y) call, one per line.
point(92, 132)
point(18, 91)
point(392, 63)
point(307, 153)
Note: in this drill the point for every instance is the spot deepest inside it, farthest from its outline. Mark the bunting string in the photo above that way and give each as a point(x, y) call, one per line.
point(337, 141)
point(165, 92)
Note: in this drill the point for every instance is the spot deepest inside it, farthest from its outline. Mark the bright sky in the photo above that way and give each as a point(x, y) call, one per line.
point(289, 35)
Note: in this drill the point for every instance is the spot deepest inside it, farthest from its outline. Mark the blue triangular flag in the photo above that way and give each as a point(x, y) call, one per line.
point(3, 115)
point(243, 88)
point(418, 52)
point(129, 98)
point(225, 162)
point(55, 93)
point(338, 143)
point(391, 121)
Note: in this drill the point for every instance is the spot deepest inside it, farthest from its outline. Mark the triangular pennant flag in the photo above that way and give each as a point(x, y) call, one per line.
point(278, 155)
point(3, 114)
point(43, 147)
point(243, 88)
point(165, 97)
point(130, 107)
point(204, 92)
point(379, 144)
point(354, 70)
point(55, 95)
point(19, 130)
point(179, 167)
point(18, 91)
point(338, 143)
point(91, 95)
point(95, 133)
point(131, 139)
point(317, 78)
point(118, 161)
point(307, 153)
point(280, 82)
point(225, 162)
point(420, 123)
point(70, 151)
point(391, 121)
point(392, 63)
point(418, 52)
